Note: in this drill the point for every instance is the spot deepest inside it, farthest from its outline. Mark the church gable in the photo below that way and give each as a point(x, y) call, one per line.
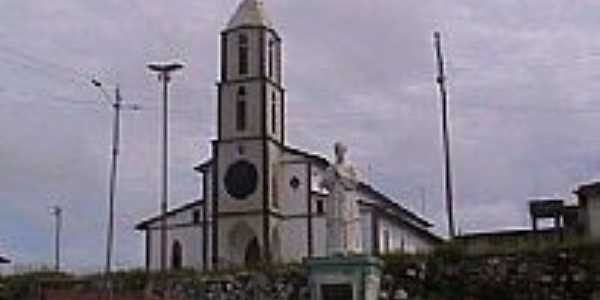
point(186, 215)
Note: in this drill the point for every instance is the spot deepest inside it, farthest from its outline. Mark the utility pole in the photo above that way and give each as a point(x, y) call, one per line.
point(117, 105)
point(441, 81)
point(56, 211)
point(164, 71)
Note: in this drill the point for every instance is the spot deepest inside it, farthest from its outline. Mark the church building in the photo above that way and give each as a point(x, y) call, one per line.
point(262, 201)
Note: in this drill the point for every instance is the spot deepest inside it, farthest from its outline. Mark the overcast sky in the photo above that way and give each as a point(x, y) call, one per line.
point(523, 88)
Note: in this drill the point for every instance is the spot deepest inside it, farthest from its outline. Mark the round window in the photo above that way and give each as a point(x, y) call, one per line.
point(294, 182)
point(241, 179)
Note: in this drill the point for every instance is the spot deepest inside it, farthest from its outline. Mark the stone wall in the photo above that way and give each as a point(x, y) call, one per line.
point(544, 275)
point(567, 274)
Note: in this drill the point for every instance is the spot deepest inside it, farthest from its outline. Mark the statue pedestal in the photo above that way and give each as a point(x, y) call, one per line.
point(344, 277)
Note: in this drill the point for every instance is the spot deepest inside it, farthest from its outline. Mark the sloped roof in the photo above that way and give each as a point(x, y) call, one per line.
point(507, 233)
point(314, 157)
point(144, 224)
point(203, 166)
point(4, 260)
point(366, 188)
point(386, 201)
point(249, 13)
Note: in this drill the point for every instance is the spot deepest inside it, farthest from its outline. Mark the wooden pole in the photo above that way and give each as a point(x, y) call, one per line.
point(441, 81)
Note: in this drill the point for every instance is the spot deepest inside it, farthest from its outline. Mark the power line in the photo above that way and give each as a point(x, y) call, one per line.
point(158, 30)
point(40, 63)
point(64, 100)
point(56, 71)
point(55, 100)
point(38, 70)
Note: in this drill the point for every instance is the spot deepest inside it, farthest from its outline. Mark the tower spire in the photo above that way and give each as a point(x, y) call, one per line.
point(249, 13)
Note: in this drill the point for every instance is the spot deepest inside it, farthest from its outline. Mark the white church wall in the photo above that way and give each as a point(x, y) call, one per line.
point(401, 237)
point(366, 231)
point(295, 240)
point(207, 184)
point(253, 111)
point(190, 239)
point(273, 93)
point(154, 249)
point(270, 37)
point(319, 236)
point(183, 229)
point(276, 172)
point(295, 197)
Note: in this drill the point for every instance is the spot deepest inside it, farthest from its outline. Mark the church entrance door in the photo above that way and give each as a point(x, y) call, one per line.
point(252, 257)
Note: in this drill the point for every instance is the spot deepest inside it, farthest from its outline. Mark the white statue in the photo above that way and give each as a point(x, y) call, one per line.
point(342, 211)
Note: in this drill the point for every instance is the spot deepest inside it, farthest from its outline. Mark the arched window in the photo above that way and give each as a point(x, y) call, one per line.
point(271, 58)
point(176, 256)
point(274, 113)
point(241, 109)
point(243, 54)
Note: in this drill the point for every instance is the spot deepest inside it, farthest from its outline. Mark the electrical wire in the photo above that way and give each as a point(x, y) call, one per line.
point(47, 66)
point(156, 27)
point(55, 71)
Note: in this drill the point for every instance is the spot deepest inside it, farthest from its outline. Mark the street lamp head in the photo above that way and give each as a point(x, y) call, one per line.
point(165, 67)
point(55, 210)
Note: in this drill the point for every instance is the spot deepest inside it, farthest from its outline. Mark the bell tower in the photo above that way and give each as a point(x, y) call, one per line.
point(250, 89)
point(251, 131)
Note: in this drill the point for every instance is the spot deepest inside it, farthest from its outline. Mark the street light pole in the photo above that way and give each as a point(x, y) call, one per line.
point(116, 137)
point(113, 181)
point(441, 81)
point(57, 212)
point(164, 71)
